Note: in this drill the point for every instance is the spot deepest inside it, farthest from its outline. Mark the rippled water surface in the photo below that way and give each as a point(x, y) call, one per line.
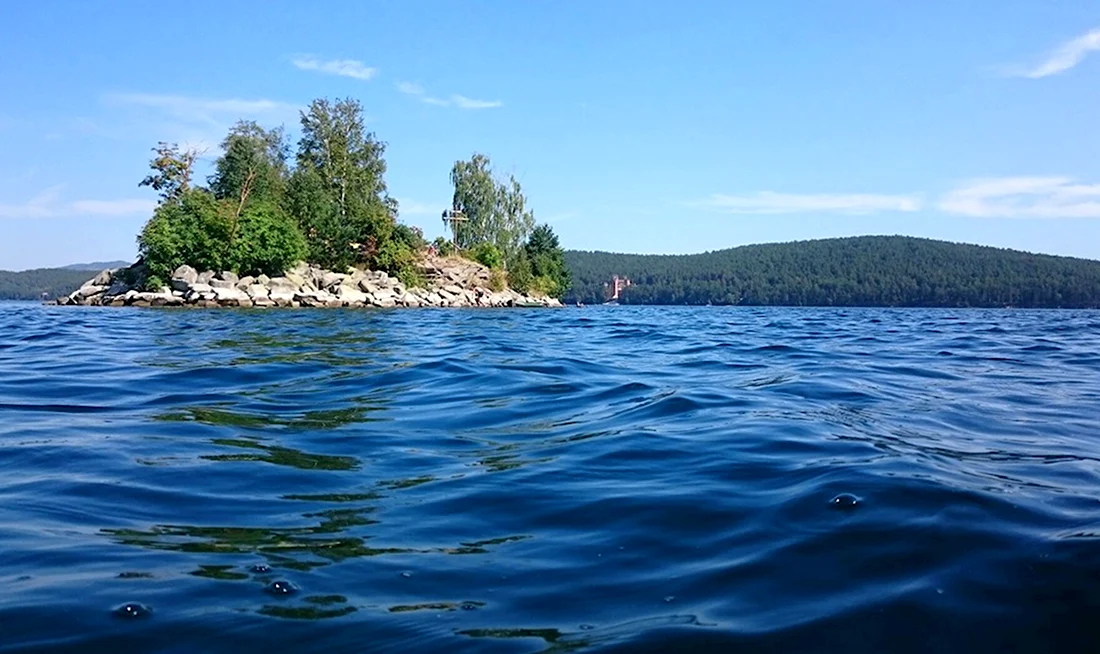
point(602, 479)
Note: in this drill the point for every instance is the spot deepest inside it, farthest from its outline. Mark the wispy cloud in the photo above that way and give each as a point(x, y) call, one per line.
point(343, 67)
point(1062, 58)
point(49, 204)
point(768, 202)
point(199, 110)
point(463, 102)
point(409, 207)
point(455, 100)
point(1024, 197)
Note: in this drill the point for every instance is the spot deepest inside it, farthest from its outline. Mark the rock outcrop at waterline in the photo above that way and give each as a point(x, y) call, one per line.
point(450, 283)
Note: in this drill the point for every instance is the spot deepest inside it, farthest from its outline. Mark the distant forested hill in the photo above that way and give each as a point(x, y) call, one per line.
point(859, 271)
point(30, 284)
point(96, 266)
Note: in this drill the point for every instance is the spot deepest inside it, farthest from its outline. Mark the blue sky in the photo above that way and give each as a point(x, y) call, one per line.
point(633, 126)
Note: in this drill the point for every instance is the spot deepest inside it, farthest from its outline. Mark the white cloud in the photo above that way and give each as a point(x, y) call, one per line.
point(768, 202)
point(48, 204)
point(463, 102)
point(408, 207)
point(456, 100)
point(1024, 197)
point(342, 67)
point(215, 114)
point(1064, 57)
point(410, 89)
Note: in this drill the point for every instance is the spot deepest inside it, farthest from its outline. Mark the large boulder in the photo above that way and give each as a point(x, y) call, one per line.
point(331, 280)
point(183, 277)
point(90, 290)
point(257, 291)
point(351, 297)
point(103, 278)
point(229, 296)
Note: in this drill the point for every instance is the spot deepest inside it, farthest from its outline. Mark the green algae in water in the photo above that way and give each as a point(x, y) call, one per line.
point(219, 572)
point(282, 456)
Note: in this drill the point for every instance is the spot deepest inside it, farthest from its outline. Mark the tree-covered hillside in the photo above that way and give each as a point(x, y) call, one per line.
point(31, 284)
point(859, 271)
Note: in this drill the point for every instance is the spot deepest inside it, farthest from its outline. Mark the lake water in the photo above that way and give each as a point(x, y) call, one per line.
point(603, 479)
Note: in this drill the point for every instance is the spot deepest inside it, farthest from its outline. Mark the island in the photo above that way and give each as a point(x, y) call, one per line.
point(320, 229)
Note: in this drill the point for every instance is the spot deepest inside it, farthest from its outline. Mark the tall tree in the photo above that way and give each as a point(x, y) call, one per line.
point(252, 167)
point(339, 160)
point(496, 212)
point(172, 168)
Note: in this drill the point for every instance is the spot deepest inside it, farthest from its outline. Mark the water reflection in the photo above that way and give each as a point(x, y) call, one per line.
point(282, 456)
point(318, 419)
point(319, 607)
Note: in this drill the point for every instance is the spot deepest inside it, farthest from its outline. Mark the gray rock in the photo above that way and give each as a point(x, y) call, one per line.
point(230, 294)
point(281, 297)
point(296, 280)
point(205, 277)
point(223, 283)
point(331, 279)
point(257, 291)
point(90, 290)
point(183, 277)
point(229, 276)
point(453, 289)
point(244, 282)
point(351, 296)
point(103, 278)
point(368, 286)
point(410, 300)
point(263, 279)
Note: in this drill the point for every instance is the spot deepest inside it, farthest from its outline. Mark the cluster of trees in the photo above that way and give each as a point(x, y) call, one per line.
point(258, 214)
point(500, 231)
point(859, 271)
point(31, 284)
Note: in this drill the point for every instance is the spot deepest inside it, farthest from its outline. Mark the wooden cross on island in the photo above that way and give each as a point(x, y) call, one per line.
point(452, 218)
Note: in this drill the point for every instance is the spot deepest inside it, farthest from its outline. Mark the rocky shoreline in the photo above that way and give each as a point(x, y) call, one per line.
point(450, 282)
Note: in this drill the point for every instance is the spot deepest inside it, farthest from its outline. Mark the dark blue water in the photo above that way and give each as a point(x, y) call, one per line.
point(607, 479)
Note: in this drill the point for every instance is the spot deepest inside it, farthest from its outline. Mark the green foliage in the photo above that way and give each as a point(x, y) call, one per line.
point(327, 237)
point(411, 277)
point(487, 255)
point(171, 176)
point(200, 232)
point(268, 242)
point(547, 262)
point(252, 167)
point(444, 247)
point(192, 231)
point(497, 280)
point(31, 284)
point(153, 283)
point(519, 272)
point(543, 285)
point(397, 257)
point(861, 271)
point(338, 192)
point(413, 237)
point(496, 211)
